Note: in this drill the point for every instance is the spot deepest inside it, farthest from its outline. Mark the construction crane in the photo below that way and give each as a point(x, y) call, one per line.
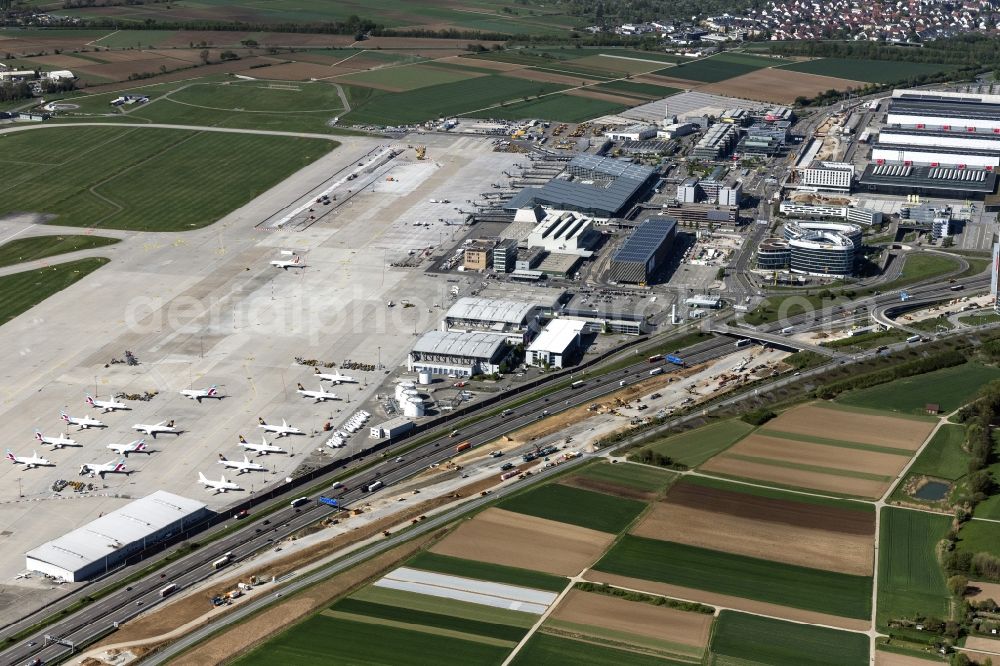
point(421, 152)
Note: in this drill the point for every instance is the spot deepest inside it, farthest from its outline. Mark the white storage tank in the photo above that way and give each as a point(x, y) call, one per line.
point(413, 407)
point(424, 378)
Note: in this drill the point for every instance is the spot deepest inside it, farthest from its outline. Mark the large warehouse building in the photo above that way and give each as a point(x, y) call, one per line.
point(458, 353)
point(644, 251)
point(601, 187)
point(104, 544)
point(557, 345)
point(518, 320)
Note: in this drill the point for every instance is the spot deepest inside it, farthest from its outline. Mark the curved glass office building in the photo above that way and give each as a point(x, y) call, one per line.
point(824, 249)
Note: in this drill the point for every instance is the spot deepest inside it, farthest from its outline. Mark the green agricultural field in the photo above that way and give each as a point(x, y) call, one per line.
point(22, 291)
point(950, 388)
point(747, 577)
point(979, 536)
point(545, 649)
point(776, 494)
point(438, 620)
point(144, 178)
point(596, 511)
point(480, 95)
point(322, 640)
point(694, 447)
point(646, 89)
point(39, 247)
point(911, 581)
point(944, 457)
point(737, 639)
point(557, 108)
point(262, 96)
point(637, 477)
point(873, 71)
point(497, 573)
point(720, 67)
point(409, 77)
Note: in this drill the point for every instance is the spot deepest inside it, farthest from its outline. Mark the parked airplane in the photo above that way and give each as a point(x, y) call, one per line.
point(29, 461)
point(288, 263)
point(336, 377)
point(198, 394)
point(280, 431)
point(106, 405)
point(263, 448)
point(138, 446)
point(155, 428)
point(219, 486)
point(317, 396)
point(97, 469)
point(56, 442)
point(241, 467)
point(83, 422)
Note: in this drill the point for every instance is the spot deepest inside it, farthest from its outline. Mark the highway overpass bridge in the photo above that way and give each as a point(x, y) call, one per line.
point(773, 339)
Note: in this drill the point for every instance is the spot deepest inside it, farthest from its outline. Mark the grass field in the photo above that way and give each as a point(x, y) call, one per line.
point(39, 247)
point(323, 640)
point(144, 179)
point(557, 108)
point(262, 97)
point(497, 573)
point(747, 577)
point(874, 71)
point(639, 477)
point(979, 536)
point(720, 67)
point(550, 650)
point(22, 291)
point(950, 388)
point(943, 457)
point(911, 581)
point(448, 99)
point(774, 493)
point(647, 89)
point(410, 77)
point(428, 619)
point(425, 603)
point(596, 511)
point(738, 636)
point(694, 447)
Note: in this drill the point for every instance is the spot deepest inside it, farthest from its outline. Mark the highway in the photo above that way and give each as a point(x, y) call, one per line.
point(96, 619)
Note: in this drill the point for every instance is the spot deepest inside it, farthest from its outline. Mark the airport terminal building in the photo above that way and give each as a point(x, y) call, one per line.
point(462, 354)
point(104, 544)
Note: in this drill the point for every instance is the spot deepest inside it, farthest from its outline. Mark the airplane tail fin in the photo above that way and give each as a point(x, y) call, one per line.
point(120, 467)
point(90, 401)
point(140, 445)
point(221, 457)
point(301, 388)
point(201, 477)
point(243, 440)
point(38, 435)
point(10, 456)
point(170, 423)
point(213, 390)
point(260, 419)
point(64, 416)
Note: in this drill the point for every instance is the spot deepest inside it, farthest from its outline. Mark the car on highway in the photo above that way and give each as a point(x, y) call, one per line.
point(400, 459)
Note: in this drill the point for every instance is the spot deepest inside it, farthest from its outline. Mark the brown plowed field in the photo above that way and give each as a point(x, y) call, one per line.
point(635, 617)
point(736, 603)
point(778, 85)
point(607, 488)
point(808, 535)
point(126, 56)
point(517, 540)
point(844, 485)
point(421, 43)
point(612, 64)
point(983, 591)
point(614, 98)
point(549, 77)
point(883, 658)
point(296, 71)
point(660, 80)
point(807, 453)
point(849, 426)
point(985, 644)
point(120, 71)
point(179, 75)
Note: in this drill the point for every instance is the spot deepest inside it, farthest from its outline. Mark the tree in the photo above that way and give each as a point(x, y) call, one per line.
point(957, 585)
point(204, 56)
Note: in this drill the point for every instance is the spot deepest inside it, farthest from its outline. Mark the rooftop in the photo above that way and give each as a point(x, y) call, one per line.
point(491, 310)
point(645, 240)
point(466, 345)
point(970, 180)
point(557, 335)
point(133, 522)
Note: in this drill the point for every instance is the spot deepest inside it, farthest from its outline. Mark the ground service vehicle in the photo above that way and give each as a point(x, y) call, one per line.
point(299, 501)
point(168, 590)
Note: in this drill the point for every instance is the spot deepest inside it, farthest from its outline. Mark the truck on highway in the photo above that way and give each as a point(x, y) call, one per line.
point(298, 501)
point(510, 474)
point(222, 561)
point(743, 342)
point(577, 384)
point(372, 487)
point(168, 590)
point(464, 446)
point(913, 338)
point(330, 501)
point(656, 371)
point(676, 360)
point(655, 358)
